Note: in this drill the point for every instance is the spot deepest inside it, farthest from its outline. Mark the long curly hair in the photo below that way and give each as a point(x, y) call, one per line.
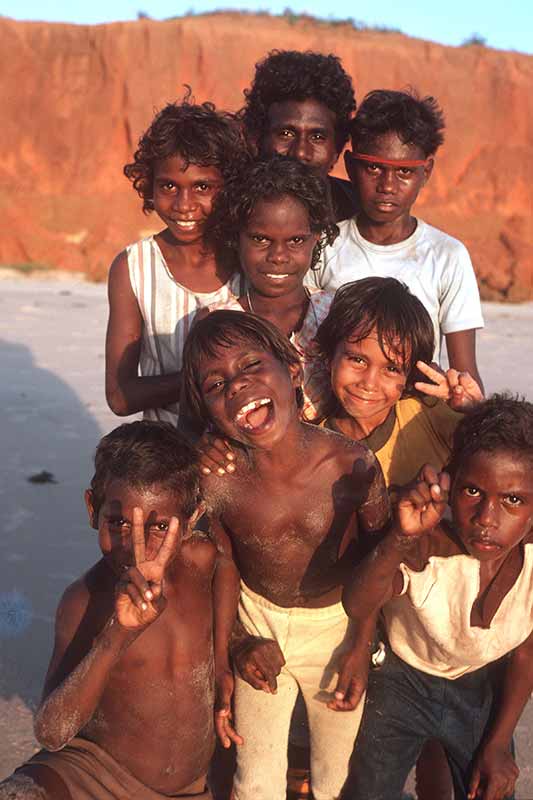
point(199, 134)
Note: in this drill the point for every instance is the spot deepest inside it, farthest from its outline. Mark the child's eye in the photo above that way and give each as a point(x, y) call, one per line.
point(214, 386)
point(318, 137)
point(203, 186)
point(285, 133)
point(168, 186)
point(471, 491)
point(513, 500)
point(118, 522)
point(251, 365)
point(160, 526)
point(297, 240)
point(373, 169)
point(355, 359)
point(405, 172)
point(258, 239)
point(395, 369)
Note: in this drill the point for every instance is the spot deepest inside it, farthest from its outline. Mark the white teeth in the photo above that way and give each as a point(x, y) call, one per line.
point(182, 224)
point(251, 406)
point(277, 277)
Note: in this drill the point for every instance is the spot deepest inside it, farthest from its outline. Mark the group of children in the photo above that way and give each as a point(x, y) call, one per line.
point(276, 523)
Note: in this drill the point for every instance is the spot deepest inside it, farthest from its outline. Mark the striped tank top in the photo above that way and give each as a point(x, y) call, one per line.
point(168, 310)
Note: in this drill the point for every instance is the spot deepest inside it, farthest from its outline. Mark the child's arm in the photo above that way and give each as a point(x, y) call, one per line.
point(495, 771)
point(126, 391)
point(226, 588)
point(378, 577)
point(461, 347)
point(459, 389)
point(69, 702)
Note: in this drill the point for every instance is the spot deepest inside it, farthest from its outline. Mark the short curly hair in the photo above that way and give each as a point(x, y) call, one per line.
point(268, 179)
point(145, 454)
point(292, 75)
point(416, 121)
point(503, 422)
point(198, 133)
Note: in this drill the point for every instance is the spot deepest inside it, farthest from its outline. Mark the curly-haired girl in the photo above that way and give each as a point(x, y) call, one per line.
point(157, 284)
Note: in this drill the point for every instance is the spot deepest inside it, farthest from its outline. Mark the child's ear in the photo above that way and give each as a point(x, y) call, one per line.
point(349, 166)
point(428, 168)
point(89, 502)
point(296, 375)
point(195, 516)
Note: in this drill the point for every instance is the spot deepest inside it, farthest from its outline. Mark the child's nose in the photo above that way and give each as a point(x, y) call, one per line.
point(387, 181)
point(238, 383)
point(369, 379)
point(302, 150)
point(487, 516)
point(278, 253)
point(184, 201)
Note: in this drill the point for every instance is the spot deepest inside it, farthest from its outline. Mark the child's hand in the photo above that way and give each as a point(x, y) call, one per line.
point(226, 733)
point(216, 455)
point(259, 662)
point(458, 389)
point(139, 595)
point(494, 775)
point(353, 679)
point(420, 508)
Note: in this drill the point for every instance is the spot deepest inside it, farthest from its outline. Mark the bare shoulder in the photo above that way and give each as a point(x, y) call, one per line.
point(200, 549)
point(87, 589)
point(347, 453)
point(220, 491)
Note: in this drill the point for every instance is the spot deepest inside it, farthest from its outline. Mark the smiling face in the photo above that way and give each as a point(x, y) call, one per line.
point(492, 503)
point(276, 246)
point(304, 130)
point(387, 192)
point(183, 196)
point(366, 381)
point(114, 520)
point(249, 394)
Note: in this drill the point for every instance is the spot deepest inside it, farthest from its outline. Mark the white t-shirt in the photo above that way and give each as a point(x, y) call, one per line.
point(435, 267)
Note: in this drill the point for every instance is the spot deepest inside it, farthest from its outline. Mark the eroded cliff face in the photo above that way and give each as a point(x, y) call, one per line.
point(76, 99)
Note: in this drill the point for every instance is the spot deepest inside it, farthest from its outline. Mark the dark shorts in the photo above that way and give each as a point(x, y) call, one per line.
point(405, 708)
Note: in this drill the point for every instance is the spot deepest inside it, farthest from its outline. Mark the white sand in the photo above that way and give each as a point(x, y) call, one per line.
point(54, 411)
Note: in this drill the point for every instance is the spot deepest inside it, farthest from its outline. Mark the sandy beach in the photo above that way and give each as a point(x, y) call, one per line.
point(53, 413)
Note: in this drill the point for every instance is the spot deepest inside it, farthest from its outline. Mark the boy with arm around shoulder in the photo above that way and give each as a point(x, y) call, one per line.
point(456, 598)
point(293, 515)
point(127, 707)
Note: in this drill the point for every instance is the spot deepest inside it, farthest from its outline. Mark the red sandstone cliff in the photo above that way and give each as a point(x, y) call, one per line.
point(77, 97)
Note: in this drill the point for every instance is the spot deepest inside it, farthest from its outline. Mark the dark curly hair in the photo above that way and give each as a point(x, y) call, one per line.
point(226, 328)
point(145, 454)
point(503, 422)
point(292, 75)
point(400, 319)
point(269, 179)
point(416, 121)
point(198, 133)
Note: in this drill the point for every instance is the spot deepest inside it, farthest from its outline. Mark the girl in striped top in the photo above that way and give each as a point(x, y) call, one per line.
point(157, 285)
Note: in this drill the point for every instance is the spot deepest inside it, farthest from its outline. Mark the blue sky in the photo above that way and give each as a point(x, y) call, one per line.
point(506, 25)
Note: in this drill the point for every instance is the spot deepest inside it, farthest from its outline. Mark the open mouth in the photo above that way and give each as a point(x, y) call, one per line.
point(255, 416)
point(185, 225)
point(277, 276)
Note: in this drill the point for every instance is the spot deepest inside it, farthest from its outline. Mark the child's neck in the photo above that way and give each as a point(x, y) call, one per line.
point(193, 265)
point(286, 312)
point(353, 428)
point(285, 457)
point(385, 233)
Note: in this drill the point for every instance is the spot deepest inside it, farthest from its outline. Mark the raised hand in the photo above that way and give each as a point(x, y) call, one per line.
point(259, 662)
point(458, 389)
point(139, 595)
point(420, 508)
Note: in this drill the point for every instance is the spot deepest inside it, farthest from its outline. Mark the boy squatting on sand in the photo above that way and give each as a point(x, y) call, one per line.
point(300, 502)
point(394, 139)
point(457, 598)
point(127, 707)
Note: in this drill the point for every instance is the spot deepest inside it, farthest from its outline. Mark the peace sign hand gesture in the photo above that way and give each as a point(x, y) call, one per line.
point(139, 596)
point(458, 389)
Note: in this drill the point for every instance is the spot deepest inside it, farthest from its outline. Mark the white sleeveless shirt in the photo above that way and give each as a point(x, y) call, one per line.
point(168, 310)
